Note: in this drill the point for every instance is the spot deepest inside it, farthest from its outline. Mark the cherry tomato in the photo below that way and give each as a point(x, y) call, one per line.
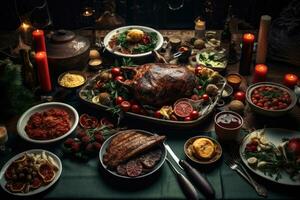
point(125, 106)
point(194, 114)
point(120, 78)
point(195, 97)
point(205, 97)
point(157, 114)
point(116, 71)
point(198, 70)
point(119, 100)
point(135, 108)
point(240, 95)
point(188, 118)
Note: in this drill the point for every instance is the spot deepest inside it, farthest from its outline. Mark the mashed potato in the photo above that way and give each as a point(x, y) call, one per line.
point(134, 35)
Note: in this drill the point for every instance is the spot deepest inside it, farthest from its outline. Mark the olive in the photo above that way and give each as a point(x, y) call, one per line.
point(14, 177)
point(29, 177)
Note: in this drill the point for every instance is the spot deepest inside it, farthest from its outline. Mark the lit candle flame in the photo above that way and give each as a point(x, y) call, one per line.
point(24, 26)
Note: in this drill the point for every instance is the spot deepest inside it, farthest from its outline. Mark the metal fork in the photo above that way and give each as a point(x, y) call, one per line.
point(236, 166)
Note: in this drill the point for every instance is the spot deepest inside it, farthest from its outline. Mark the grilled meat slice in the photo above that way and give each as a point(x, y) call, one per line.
point(132, 145)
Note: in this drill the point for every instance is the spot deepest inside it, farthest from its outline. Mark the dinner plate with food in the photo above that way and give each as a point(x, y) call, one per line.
point(133, 41)
point(273, 154)
point(30, 172)
point(47, 122)
point(133, 154)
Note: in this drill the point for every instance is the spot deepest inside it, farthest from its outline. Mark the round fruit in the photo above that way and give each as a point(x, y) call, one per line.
point(293, 146)
point(240, 95)
point(205, 97)
point(119, 100)
point(116, 71)
point(134, 168)
point(135, 108)
point(120, 78)
point(188, 118)
point(69, 142)
point(204, 148)
point(194, 114)
point(16, 186)
point(157, 114)
point(125, 106)
point(86, 121)
point(36, 183)
point(46, 172)
point(183, 109)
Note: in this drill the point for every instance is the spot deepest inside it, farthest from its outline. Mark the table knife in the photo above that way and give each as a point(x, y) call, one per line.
point(200, 181)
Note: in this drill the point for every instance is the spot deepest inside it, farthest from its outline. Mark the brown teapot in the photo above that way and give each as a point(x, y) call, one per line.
point(66, 51)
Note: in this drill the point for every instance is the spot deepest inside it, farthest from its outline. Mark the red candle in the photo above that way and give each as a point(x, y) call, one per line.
point(290, 80)
point(39, 40)
point(260, 73)
point(246, 55)
point(43, 71)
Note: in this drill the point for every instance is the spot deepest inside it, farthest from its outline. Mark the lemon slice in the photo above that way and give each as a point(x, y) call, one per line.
point(204, 148)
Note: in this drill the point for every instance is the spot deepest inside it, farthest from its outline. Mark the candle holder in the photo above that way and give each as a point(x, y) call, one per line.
point(246, 55)
point(25, 33)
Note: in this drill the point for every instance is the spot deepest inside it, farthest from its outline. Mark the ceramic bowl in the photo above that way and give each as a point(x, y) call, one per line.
point(41, 108)
point(215, 158)
point(224, 133)
point(266, 112)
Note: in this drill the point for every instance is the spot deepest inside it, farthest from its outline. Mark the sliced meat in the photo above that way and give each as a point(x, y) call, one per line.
point(134, 150)
point(121, 169)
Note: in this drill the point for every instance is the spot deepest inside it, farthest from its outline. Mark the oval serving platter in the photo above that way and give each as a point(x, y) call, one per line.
point(206, 112)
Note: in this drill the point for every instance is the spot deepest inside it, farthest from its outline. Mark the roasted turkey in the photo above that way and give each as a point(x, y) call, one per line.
point(159, 84)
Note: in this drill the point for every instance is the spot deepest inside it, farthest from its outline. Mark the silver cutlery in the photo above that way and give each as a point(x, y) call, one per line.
point(186, 186)
point(236, 166)
point(199, 180)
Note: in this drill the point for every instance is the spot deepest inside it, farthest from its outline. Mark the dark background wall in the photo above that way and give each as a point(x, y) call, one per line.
point(155, 13)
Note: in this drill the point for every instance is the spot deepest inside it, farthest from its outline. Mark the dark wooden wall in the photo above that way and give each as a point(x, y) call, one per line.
point(155, 13)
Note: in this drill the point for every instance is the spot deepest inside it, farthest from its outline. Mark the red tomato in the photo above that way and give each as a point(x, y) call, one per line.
point(157, 114)
point(119, 100)
point(188, 118)
point(205, 97)
point(198, 70)
point(146, 39)
point(125, 106)
point(194, 114)
point(120, 78)
point(135, 108)
point(240, 95)
point(116, 71)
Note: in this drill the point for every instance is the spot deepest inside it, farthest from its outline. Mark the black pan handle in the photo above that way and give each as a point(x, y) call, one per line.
point(187, 187)
point(200, 181)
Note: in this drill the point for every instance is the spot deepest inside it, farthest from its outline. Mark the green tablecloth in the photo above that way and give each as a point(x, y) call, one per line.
point(87, 181)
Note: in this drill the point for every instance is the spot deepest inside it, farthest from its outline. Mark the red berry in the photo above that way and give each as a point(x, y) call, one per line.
point(135, 108)
point(157, 114)
point(205, 97)
point(194, 114)
point(120, 78)
point(125, 106)
point(99, 138)
point(97, 146)
point(188, 118)
point(81, 134)
point(195, 97)
point(119, 100)
point(85, 139)
point(116, 71)
point(69, 142)
point(89, 148)
point(75, 147)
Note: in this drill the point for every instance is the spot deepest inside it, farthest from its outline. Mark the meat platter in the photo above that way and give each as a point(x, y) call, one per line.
point(165, 94)
point(132, 154)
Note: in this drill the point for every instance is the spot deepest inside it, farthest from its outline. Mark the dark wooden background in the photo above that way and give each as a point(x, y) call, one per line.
point(155, 13)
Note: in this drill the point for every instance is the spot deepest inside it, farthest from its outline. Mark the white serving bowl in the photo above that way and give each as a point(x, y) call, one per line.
point(270, 113)
point(74, 118)
point(107, 38)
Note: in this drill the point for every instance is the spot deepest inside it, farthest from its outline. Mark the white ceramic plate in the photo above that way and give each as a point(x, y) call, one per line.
point(107, 38)
point(42, 188)
point(275, 136)
point(40, 108)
